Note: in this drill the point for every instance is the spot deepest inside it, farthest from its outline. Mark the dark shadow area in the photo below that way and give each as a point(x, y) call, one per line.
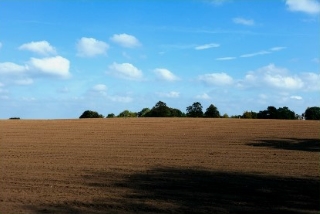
point(183, 190)
point(308, 145)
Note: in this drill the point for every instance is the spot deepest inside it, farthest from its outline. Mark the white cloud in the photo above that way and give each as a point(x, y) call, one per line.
point(255, 54)
point(11, 68)
point(24, 81)
point(207, 46)
point(306, 6)
point(171, 94)
point(0, 45)
point(216, 79)
point(296, 97)
point(242, 21)
point(225, 58)
point(125, 71)
point(283, 82)
point(125, 40)
point(89, 47)
point(312, 81)
point(277, 48)
point(99, 87)
point(57, 66)
point(274, 77)
point(40, 47)
point(218, 2)
point(165, 74)
point(316, 60)
point(121, 99)
point(203, 96)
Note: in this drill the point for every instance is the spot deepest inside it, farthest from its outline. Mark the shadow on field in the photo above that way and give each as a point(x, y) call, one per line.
point(183, 190)
point(308, 145)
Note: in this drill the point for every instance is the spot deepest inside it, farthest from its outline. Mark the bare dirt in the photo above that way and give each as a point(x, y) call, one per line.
point(159, 165)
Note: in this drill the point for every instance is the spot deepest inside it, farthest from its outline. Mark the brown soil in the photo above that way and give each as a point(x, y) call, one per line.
point(159, 165)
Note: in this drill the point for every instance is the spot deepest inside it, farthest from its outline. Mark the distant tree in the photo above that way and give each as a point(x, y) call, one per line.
point(272, 111)
point(176, 113)
point(91, 114)
point(225, 115)
point(312, 113)
point(159, 110)
point(195, 110)
point(143, 112)
point(249, 115)
point(111, 115)
point(212, 111)
point(285, 113)
point(14, 118)
point(280, 113)
point(127, 113)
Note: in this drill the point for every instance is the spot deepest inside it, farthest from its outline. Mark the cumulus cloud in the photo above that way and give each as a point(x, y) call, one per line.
point(316, 60)
point(216, 79)
point(57, 66)
point(24, 81)
point(171, 94)
point(207, 46)
point(306, 6)
point(296, 97)
point(125, 71)
point(99, 87)
point(125, 40)
point(11, 68)
point(274, 77)
point(40, 47)
point(89, 47)
point(311, 80)
point(121, 99)
point(242, 21)
point(218, 2)
point(165, 74)
point(203, 96)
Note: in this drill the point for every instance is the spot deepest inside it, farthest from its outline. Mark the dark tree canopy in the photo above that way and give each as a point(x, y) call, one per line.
point(162, 110)
point(91, 114)
point(127, 113)
point(111, 115)
point(212, 111)
point(143, 112)
point(159, 110)
point(280, 113)
point(312, 113)
point(195, 110)
point(249, 115)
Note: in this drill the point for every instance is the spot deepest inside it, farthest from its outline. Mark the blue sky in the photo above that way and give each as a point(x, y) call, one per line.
point(60, 58)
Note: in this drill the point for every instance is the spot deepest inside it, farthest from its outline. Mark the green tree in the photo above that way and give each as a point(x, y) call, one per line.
point(176, 113)
point(225, 115)
point(249, 115)
point(143, 112)
point(285, 113)
point(91, 114)
point(127, 113)
point(111, 115)
point(312, 113)
point(159, 110)
point(212, 111)
point(195, 110)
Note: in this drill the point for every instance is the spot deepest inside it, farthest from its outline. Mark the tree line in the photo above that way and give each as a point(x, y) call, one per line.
point(196, 110)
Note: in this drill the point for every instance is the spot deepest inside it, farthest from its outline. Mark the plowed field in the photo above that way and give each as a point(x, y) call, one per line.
point(159, 165)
